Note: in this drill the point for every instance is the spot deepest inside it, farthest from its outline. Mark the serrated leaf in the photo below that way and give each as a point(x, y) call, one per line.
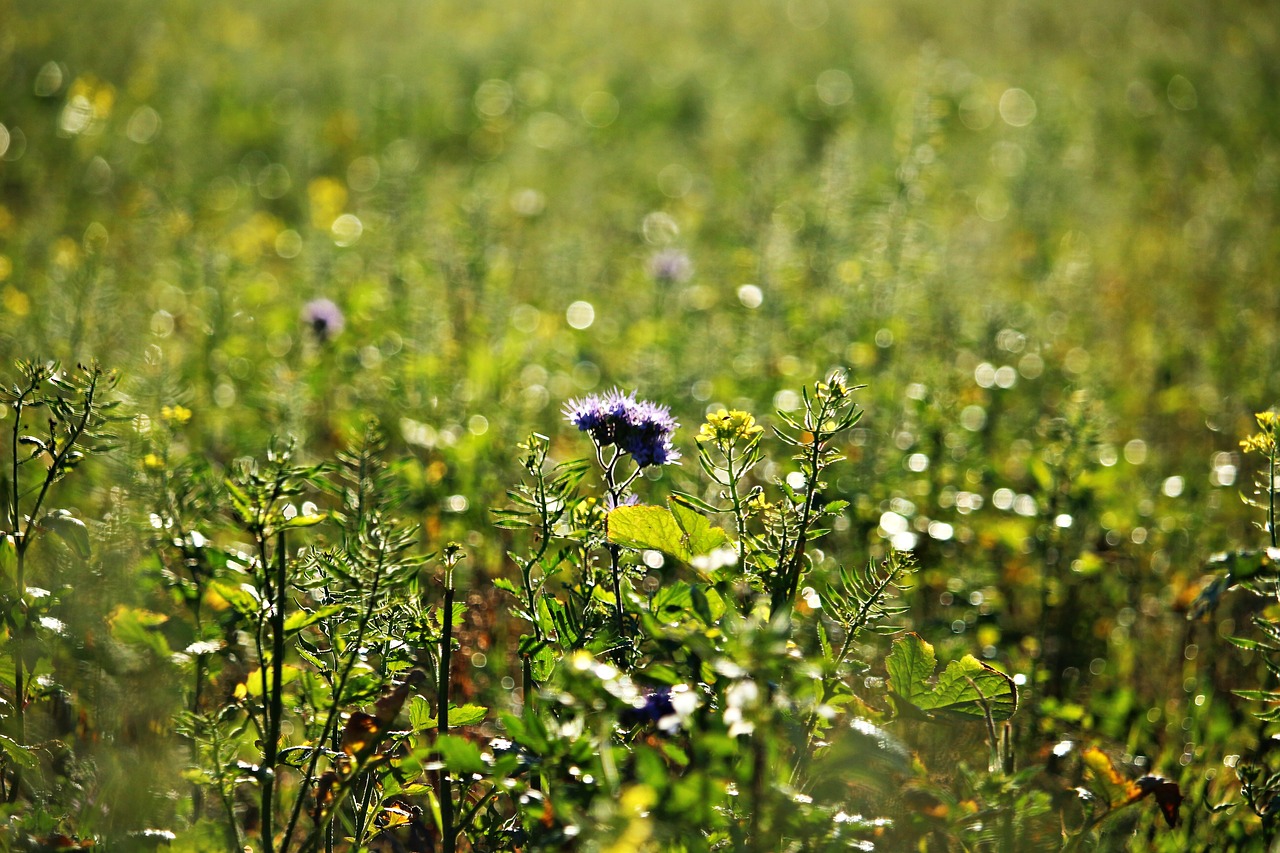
point(460, 756)
point(700, 537)
point(506, 586)
point(910, 664)
point(467, 715)
point(972, 689)
point(680, 532)
point(967, 688)
point(648, 528)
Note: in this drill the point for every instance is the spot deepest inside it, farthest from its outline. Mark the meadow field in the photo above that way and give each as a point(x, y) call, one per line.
point(783, 425)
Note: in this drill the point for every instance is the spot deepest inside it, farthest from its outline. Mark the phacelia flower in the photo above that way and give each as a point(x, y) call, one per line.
point(638, 428)
point(324, 318)
point(671, 265)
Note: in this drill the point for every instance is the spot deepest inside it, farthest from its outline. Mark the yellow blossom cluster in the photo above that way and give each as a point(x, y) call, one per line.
point(1264, 441)
point(178, 415)
point(726, 427)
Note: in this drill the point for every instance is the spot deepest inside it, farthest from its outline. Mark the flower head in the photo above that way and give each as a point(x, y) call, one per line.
point(1265, 440)
point(324, 318)
point(725, 427)
point(671, 265)
point(636, 427)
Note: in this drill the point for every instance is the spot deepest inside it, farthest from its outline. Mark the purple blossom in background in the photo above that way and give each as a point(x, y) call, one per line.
point(324, 318)
point(651, 709)
point(636, 427)
point(671, 265)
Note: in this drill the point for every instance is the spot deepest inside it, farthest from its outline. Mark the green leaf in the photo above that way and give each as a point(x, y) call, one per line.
point(304, 618)
point(252, 684)
point(71, 530)
point(135, 626)
point(460, 756)
point(467, 715)
point(1258, 695)
point(303, 521)
point(506, 586)
point(17, 753)
point(240, 598)
point(700, 537)
point(647, 528)
point(911, 663)
point(679, 532)
point(967, 688)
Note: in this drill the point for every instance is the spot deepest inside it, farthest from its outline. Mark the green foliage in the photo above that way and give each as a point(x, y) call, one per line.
point(967, 688)
point(1042, 235)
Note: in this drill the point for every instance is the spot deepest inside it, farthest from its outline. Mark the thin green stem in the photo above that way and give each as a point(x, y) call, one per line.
point(1271, 495)
point(448, 838)
point(271, 749)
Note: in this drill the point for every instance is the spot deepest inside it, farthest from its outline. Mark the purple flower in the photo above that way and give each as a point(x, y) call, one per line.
point(324, 318)
point(652, 708)
point(671, 266)
point(637, 427)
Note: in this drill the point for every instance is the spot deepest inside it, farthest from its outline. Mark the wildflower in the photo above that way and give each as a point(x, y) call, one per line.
point(671, 265)
point(175, 414)
point(725, 427)
point(667, 708)
point(1264, 441)
point(638, 428)
point(324, 318)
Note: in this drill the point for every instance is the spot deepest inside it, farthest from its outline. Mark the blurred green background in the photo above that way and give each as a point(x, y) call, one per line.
point(1042, 233)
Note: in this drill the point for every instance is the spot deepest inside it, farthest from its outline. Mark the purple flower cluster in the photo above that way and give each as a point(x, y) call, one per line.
point(324, 318)
point(637, 427)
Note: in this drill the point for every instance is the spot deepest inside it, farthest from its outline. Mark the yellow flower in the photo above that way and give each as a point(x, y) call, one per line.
point(152, 462)
point(726, 427)
point(175, 415)
point(1264, 441)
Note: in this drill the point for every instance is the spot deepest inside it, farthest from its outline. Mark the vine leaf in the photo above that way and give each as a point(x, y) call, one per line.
point(968, 688)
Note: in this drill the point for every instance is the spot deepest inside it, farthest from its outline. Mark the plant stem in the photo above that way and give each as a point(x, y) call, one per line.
point(271, 749)
point(448, 839)
point(1271, 495)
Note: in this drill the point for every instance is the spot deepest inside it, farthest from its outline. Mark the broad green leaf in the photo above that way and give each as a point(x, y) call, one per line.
point(648, 528)
point(237, 596)
point(967, 688)
point(252, 684)
point(968, 684)
point(700, 537)
point(460, 756)
point(911, 663)
point(679, 532)
point(467, 715)
point(70, 529)
point(135, 626)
